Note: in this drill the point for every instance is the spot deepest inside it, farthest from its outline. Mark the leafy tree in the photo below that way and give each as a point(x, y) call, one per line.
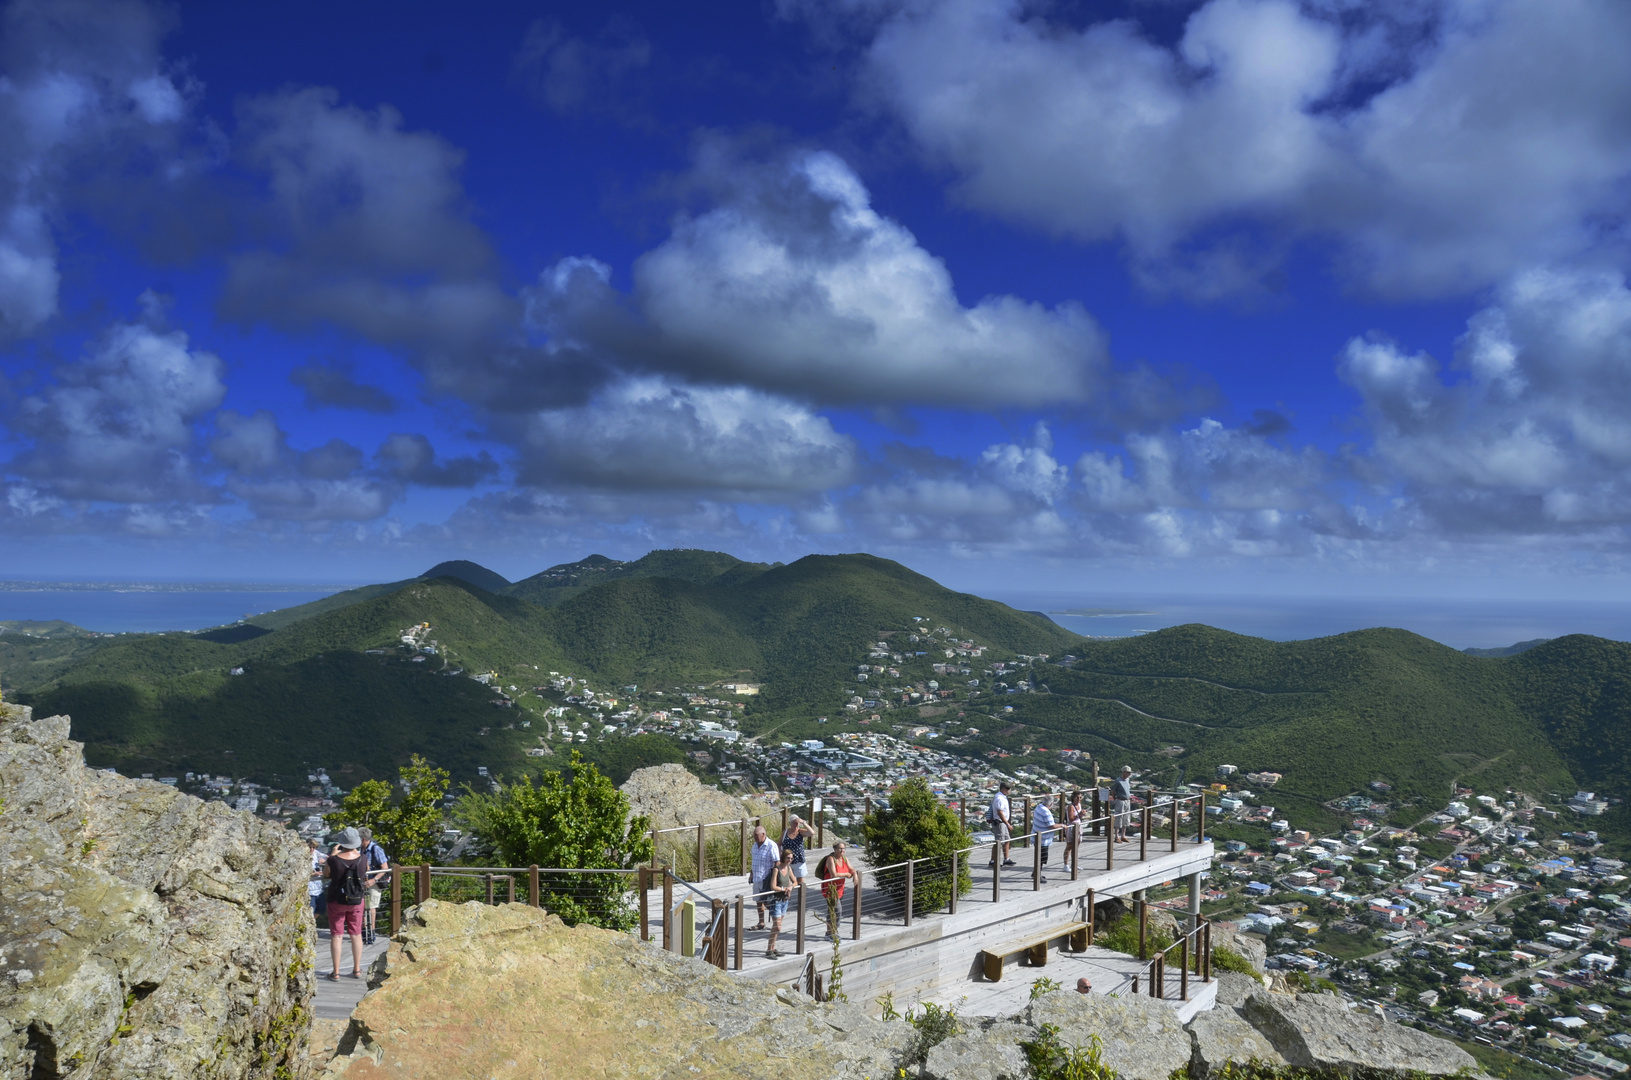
point(914, 825)
point(414, 822)
point(364, 807)
point(579, 822)
point(406, 830)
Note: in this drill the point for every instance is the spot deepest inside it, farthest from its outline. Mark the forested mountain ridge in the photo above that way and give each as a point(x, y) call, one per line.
point(1331, 714)
point(170, 698)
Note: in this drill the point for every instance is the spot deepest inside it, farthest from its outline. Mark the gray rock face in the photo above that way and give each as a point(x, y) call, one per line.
point(1234, 988)
point(1140, 1039)
point(991, 1054)
point(1250, 946)
point(1320, 1031)
point(1223, 1035)
point(143, 932)
point(671, 796)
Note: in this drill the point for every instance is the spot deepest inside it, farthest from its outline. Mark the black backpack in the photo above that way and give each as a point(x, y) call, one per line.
point(351, 890)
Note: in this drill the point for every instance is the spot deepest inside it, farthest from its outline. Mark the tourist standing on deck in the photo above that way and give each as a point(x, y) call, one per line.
point(379, 869)
point(765, 855)
point(1042, 826)
point(798, 831)
point(782, 884)
point(1073, 829)
point(314, 888)
point(1121, 802)
point(346, 892)
point(1002, 826)
point(834, 872)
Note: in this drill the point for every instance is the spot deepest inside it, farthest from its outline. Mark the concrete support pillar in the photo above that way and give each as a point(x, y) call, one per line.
point(1194, 898)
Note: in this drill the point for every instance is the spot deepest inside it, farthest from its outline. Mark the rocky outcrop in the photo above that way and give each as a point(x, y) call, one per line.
point(143, 932)
point(671, 796)
point(991, 1053)
point(1320, 1031)
point(512, 992)
point(1222, 1035)
point(1140, 1038)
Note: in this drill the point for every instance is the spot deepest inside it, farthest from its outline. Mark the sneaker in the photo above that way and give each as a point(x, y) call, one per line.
point(1044, 881)
point(1008, 862)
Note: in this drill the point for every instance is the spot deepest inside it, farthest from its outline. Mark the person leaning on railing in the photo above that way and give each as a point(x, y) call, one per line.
point(834, 872)
point(1073, 828)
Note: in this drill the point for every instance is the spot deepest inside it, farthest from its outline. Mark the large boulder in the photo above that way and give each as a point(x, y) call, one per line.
point(1140, 1038)
point(1222, 1035)
point(672, 796)
point(143, 932)
point(1320, 1031)
point(992, 1053)
point(512, 992)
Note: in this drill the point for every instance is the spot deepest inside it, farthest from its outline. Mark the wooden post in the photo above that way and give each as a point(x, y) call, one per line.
point(744, 870)
point(739, 916)
point(855, 913)
point(956, 866)
point(424, 883)
point(821, 827)
point(534, 890)
point(654, 849)
point(668, 910)
point(1183, 968)
point(1097, 813)
point(962, 813)
point(1173, 810)
point(702, 853)
point(1206, 949)
point(396, 901)
point(645, 901)
point(1143, 926)
point(1110, 847)
point(489, 890)
point(1090, 915)
point(1036, 865)
point(1144, 834)
point(1025, 837)
point(909, 864)
point(784, 825)
point(1200, 831)
point(510, 879)
point(996, 873)
point(1160, 980)
point(721, 931)
point(801, 918)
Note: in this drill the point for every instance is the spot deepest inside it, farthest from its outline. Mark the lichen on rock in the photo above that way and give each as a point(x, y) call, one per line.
point(143, 932)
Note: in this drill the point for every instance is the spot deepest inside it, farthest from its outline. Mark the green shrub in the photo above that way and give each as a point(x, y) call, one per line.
point(915, 825)
point(1052, 1060)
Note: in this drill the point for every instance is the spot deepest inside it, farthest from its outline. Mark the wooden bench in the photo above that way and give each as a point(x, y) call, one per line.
point(1034, 947)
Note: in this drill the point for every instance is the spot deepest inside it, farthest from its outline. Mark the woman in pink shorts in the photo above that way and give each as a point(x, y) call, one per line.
point(346, 872)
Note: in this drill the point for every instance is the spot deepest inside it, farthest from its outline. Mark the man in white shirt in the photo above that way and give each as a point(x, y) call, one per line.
point(1121, 804)
point(765, 854)
point(1001, 825)
point(1042, 826)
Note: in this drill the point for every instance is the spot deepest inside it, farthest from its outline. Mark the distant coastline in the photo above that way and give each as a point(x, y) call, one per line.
point(1100, 613)
point(16, 585)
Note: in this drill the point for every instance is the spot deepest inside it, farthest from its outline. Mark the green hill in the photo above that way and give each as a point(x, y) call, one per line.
point(172, 701)
point(561, 583)
point(1334, 714)
point(336, 683)
point(473, 573)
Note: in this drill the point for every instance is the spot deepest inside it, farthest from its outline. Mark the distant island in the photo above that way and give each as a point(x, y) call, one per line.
point(1100, 612)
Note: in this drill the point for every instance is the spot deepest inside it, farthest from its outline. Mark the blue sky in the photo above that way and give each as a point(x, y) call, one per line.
point(1245, 295)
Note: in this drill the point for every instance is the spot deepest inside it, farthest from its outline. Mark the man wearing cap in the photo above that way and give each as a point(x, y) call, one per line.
point(347, 888)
